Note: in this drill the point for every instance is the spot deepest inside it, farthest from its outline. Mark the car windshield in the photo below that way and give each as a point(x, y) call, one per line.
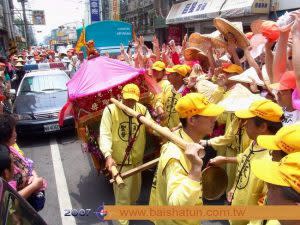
point(45, 83)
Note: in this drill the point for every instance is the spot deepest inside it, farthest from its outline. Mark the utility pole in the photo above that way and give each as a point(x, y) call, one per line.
point(100, 9)
point(25, 22)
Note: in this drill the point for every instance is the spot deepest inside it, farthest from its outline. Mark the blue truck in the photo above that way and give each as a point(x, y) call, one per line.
point(108, 35)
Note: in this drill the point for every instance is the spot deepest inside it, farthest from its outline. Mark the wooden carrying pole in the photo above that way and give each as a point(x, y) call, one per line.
point(163, 131)
point(138, 169)
point(116, 177)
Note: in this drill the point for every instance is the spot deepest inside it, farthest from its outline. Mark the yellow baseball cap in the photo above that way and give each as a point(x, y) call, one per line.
point(232, 68)
point(286, 139)
point(159, 66)
point(180, 69)
point(264, 108)
point(284, 173)
point(196, 104)
point(131, 91)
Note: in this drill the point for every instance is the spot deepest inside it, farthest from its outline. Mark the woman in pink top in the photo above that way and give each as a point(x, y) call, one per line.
point(25, 180)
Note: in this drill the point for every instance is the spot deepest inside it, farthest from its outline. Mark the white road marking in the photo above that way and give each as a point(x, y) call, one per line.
point(61, 185)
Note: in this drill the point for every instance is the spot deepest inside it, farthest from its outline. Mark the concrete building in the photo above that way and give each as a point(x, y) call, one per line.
point(141, 14)
point(7, 29)
point(162, 8)
point(279, 7)
point(105, 9)
point(65, 34)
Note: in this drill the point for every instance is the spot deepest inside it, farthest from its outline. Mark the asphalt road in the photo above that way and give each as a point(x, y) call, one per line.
point(73, 182)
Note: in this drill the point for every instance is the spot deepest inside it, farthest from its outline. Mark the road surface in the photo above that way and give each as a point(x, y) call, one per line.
point(73, 182)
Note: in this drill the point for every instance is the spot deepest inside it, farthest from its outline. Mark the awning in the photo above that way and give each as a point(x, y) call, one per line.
point(238, 8)
point(193, 10)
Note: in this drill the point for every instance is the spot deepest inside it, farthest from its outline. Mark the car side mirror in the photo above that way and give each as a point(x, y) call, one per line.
point(12, 94)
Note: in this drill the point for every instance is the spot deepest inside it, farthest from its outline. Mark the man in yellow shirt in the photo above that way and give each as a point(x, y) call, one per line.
point(233, 142)
point(262, 118)
point(116, 130)
point(158, 72)
point(283, 179)
point(285, 142)
point(171, 94)
point(178, 177)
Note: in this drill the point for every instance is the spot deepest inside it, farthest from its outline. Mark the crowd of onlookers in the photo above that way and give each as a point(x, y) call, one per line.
point(259, 70)
point(13, 69)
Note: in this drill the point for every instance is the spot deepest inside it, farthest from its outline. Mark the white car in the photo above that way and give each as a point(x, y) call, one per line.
point(39, 99)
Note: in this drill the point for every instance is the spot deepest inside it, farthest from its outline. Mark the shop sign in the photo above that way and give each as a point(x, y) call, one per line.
point(95, 12)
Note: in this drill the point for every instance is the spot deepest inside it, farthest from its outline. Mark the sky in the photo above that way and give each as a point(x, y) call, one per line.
point(57, 12)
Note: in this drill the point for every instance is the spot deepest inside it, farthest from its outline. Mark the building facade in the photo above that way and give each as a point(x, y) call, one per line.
point(7, 29)
point(64, 35)
point(172, 19)
point(141, 14)
point(279, 7)
point(197, 15)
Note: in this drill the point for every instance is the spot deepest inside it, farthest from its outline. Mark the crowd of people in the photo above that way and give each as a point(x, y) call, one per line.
point(235, 93)
point(12, 70)
point(15, 167)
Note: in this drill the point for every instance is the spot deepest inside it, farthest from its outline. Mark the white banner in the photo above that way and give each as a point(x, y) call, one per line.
point(194, 10)
point(237, 8)
point(285, 4)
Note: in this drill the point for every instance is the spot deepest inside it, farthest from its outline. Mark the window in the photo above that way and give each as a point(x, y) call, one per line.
point(190, 30)
point(146, 19)
point(55, 82)
point(16, 211)
point(151, 20)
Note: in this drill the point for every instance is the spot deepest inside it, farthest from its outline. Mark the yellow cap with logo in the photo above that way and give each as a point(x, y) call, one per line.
point(182, 70)
point(265, 109)
point(196, 104)
point(286, 139)
point(131, 91)
point(284, 173)
point(159, 66)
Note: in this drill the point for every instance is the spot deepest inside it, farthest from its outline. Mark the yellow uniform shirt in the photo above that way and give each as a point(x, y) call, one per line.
point(234, 141)
point(168, 99)
point(158, 99)
point(152, 99)
point(163, 84)
point(234, 138)
point(248, 188)
point(172, 186)
point(115, 129)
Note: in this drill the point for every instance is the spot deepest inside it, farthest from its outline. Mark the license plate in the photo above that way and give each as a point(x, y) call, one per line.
point(51, 127)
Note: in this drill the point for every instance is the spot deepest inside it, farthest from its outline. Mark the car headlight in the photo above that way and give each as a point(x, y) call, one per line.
point(23, 117)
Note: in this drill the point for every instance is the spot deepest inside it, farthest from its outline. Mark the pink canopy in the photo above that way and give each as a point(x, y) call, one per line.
point(99, 74)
